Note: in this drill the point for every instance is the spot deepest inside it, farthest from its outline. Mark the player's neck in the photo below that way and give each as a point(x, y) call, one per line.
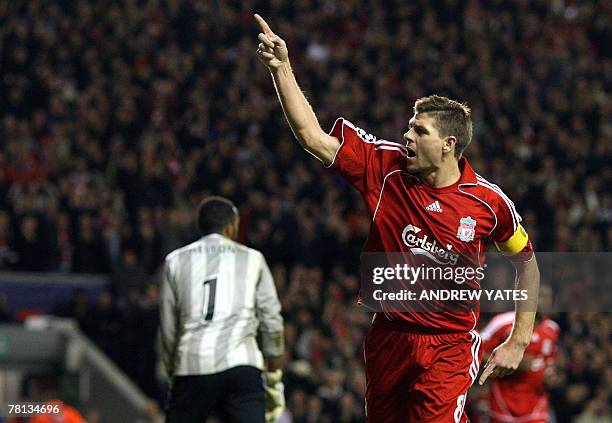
point(445, 175)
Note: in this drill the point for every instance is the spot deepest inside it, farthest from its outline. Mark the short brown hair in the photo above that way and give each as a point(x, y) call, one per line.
point(451, 119)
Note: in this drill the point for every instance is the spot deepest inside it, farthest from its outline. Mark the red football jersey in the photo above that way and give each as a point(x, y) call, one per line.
point(522, 394)
point(427, 224)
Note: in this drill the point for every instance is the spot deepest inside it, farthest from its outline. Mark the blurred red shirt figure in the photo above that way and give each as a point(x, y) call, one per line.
point(521, 397)
point(67, 414)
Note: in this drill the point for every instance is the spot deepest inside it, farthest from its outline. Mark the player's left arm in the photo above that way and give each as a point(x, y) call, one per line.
point(512, 240)
point(507, 357)
point(168, 320)
point(268, 309)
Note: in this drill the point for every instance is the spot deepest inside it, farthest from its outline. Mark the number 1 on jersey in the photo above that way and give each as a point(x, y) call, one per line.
point(212, 286)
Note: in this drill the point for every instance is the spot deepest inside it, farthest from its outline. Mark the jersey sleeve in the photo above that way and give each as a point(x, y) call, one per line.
point(363, 159)
point(268, 310)
point(168, 319)
point(510, 238)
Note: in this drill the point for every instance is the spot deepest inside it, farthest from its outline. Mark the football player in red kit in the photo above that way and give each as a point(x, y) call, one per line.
point(425, 200)
point(522, 397)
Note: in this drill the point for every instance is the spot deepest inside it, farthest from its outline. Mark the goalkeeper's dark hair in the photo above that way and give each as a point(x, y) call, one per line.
point(451, 119)
point(215, 214)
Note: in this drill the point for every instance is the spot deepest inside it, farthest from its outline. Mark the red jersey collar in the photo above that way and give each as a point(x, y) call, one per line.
point(468, 176)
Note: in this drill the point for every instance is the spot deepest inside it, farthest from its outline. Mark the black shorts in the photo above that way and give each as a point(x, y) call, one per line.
point(237, 395)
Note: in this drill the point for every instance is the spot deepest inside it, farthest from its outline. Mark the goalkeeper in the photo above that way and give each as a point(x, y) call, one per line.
point(215, 295)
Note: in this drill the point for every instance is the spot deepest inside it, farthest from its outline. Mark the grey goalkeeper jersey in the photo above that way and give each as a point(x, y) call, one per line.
point(215, 295)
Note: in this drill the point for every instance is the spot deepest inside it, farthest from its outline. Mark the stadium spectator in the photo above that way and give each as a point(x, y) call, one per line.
point(30, 247)
point(129, 275)
point(6, 240)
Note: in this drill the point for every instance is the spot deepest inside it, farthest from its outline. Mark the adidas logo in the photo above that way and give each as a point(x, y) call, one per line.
point(435, 206)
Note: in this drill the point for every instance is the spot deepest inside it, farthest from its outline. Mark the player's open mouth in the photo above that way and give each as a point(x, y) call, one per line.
point(411, 153)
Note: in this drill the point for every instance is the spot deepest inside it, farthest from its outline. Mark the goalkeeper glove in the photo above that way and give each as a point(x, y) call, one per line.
point(275, 395)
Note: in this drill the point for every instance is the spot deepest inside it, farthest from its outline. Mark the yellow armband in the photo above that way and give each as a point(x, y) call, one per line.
point(515, 243)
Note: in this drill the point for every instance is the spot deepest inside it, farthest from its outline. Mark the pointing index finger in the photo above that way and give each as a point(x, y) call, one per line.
point(263, 24)
point(486, 373)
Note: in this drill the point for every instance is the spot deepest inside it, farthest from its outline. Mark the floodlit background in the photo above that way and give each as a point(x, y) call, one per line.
point(117, 117)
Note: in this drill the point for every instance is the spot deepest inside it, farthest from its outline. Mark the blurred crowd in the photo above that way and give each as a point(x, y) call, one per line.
point(117, 117)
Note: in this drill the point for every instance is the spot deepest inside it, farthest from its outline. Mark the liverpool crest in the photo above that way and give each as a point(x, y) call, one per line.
point(467, 229)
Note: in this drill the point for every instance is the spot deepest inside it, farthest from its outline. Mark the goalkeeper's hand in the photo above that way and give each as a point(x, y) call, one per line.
point(275, 395)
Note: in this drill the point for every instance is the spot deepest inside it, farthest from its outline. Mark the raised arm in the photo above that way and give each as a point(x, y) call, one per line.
point(273, 53)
